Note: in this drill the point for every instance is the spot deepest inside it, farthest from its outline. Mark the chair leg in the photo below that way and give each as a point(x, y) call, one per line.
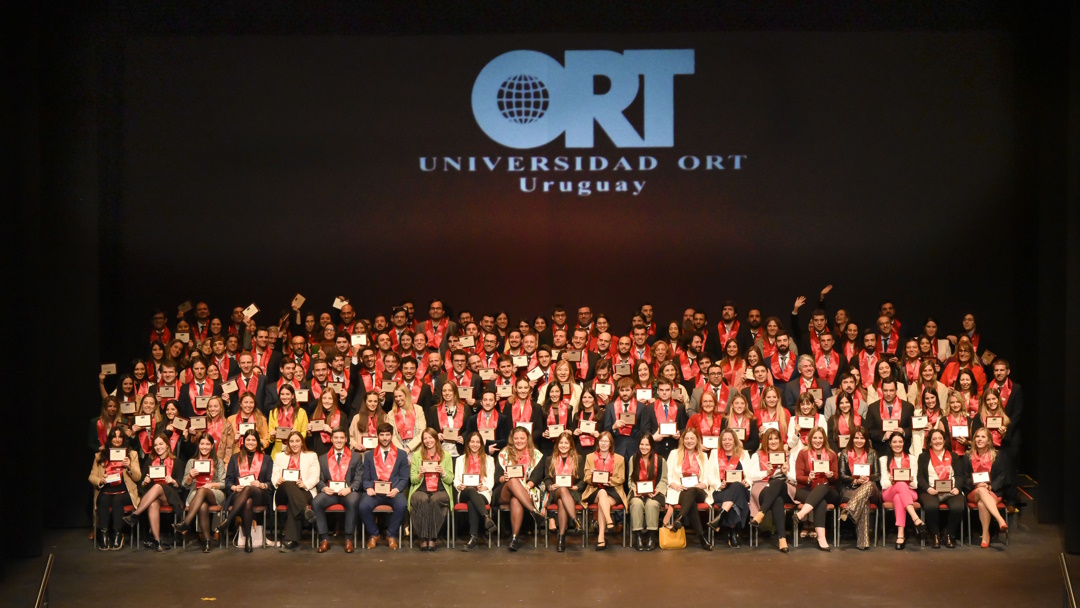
point(585, 524)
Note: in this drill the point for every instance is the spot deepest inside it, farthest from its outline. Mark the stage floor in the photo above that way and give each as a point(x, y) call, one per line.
point(1024, 574)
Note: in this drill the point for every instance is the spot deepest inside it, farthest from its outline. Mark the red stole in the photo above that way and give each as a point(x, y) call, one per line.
point(167, 463)
point(763, 464)
point(673, 411)
point(740, 422)
point(782, 374)
point(431, 480)
point(445, 420)
point(338, 470)
point(281, 382)
point(1004, 390)
point(849, 349)
point(331, 422)
point(732, 371)
point(815, 340)
point(472, 464)
point(406, 423)
point(768, 347)
point(690, 369)
point(867, 362)
point(981, 464)
point(604, 462)
point(897, 409)
point(583, 439)
point(827, 365)
point(894, 343)
point(223, 365)
point(995, 434)
point(643, 472)
point(804, 434)
point(214, 428)
point(383, 468)
point(727, 463)
point(250, 466)
point(621, 407)
point(563, 466)
point(709, 425)
point(905, 463)
point(724, 335)
point(690, 464)
point(842, 426)
point(854, 459)
point(521, 412)
point(488, 419)
point(164, 335)
point(435, 334)
point(951, 421)
point(802, 384)
point(755, 395)
point(193, 392)
point(285, 418)
point(251, 385)
point(372, 380)
point(942, 466)
point(103, 431)
point(557, 414)
point(911, 370)
point(261, 359)
point(204, 478)
point(414, 390)
point(115, 468)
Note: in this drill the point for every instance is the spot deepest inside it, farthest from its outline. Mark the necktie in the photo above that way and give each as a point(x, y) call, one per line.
point(385, 455)
point(200, 385)
point(889, 409)
point(339, 458)
point(665, 411)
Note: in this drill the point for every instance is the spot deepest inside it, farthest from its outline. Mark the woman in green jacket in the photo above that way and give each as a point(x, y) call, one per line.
point(431, 474)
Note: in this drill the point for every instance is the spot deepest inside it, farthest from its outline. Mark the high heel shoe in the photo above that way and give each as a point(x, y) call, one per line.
point(676, 525)
point(206, 546)
point(714, 523)
point(784, 548)
point(900, 543)
point(560, 544)
point(515, 543)
point(538, 517)
point(733, 539)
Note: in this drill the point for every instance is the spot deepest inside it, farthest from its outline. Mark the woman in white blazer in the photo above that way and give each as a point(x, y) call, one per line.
point(564, 375)
point(731, 497)
point(295, 475)
point(689, 461)
point(474, 462)
point(797, 436)
point(900, 493)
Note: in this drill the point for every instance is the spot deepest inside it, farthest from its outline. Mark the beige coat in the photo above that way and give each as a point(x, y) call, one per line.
point(97, 477)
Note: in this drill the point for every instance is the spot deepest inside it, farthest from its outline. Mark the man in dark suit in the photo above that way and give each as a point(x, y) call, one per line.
point(438, 327)
point(421, 394)
point(200, 386)
point(889, 407)
point(247, 381)
point(505, 378)
point(226, 364)
point(339, 484)
point(730, 328)
point(287, 375)
point(462, 377)
point(806, 381)
point(585, 368)
point(1012, 401)
point(385, 464)
point(488, 417)
point(782, 363)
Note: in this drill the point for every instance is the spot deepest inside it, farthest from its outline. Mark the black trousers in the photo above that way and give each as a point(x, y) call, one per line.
point(820, 498)
point(297, 500)
point(111, 506)
point(477, 508)
point(932, 504)
point(688, 502)
point(774, 498)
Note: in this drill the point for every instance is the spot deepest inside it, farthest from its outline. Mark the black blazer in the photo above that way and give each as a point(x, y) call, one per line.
point(578, 477)
point(644, 424)
point(536, 477)
point(500, 402)
point(960, 467)
point(753, 438)
point(667, 444)
point(1006, 437)
point(539, 425)
point(502, 431)
point(791, 392)
point(232, 471)
point(872, 422)
point(354, 477)
point(847, 479)
point(1002, 479)
point(183, 400)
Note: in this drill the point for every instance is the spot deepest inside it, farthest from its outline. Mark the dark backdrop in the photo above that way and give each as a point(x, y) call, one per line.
point(926, 145)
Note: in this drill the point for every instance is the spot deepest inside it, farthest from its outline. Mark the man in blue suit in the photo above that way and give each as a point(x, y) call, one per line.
point(339, 484)
point(385, 482)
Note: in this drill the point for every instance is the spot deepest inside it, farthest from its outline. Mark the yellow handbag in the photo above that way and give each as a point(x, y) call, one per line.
point(672, 540)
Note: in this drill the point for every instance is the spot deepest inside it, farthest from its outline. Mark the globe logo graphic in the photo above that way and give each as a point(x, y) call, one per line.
point(523, 99)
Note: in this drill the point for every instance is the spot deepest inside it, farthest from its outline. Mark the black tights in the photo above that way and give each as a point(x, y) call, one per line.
point(517, 496)
point(245, 501)
point(688, 502)
point(773, 498)
point(567, 507)
point(200, 506)
point(477, 508)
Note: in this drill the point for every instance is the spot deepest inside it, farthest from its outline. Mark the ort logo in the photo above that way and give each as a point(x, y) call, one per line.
point(525, 99)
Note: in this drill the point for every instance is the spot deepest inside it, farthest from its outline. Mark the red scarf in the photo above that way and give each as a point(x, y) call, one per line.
point(103, 431)
point(251, 466)
point(768, 346)
point(724, 335)
point(731, 371)
point(690, 464)
point(842, 423)
point(815, 339)
point(995, 434)
point(165, 336)
point(813, 384)
point(558, 414)
point(854, 459)
point(672, 415)
point(894, 342)
point(782, 374)
point(563, 466)
point(804, 434)
point(905, 463)
point(604, 462)
point(912, 372)
point(251, 385)
point(284, 418)
point(332, 422)
point(261, 359)
point(372, 380)
point(897, 409)
point(383, 468)
point(472, 464)
point(952, 421)
point(708, 424)
point(406, 423)
point(521, 412)
point(643, 472)
point(727, 463)
point(981, 464)
point(942, 466)
point(763, 464)
point(690, 368)
point(435, 334)
point(866, 368)
point(620, 407)
point(167, 463)
point(223, 365)
point(193, 393)
point(1004, 390)
point(444, 419)
point(827, 366)
point(583, 439)
point(431, 480)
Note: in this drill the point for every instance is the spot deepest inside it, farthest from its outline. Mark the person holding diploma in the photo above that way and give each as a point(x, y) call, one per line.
point(670, 416)
point(707, 421)
point(648, 485)
point(330, 417)
point(859, 475)
point(363, 429)
point(339, 484)
point(448, 418)
point(772, 482)
point(247, 483)
point(116, 467)
point(519, 473)
point(992, 417)
point(816, 471)
point(688, 484)
point(103, 423)
point(295, 476)
point(431, 473)
point(157, 489)
point(991, 476)
point(605, 473)
point(492, 426)
point(522, 412)
point(888, 416)
point(805, 420)
point(474, 476)
point(589, 416)
point(844, 421)
point(556, 411)
point(143, 436)
point(407, 419)
point(385, 481)
point(729, 465)
point(565, 480)
point(286, 416)
point(204, 479)
point(626, 419)
point(741, 421)
point(898, 485)
point(942, 480)
point(248, 417)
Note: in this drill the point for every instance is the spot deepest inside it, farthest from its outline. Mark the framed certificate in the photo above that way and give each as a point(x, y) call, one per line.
point(573, 356)
point(179, 423)
point(337, 486)
point(487, 434)
point(733, 476)
point(993, 422)
point(504, 391)
point(563, 481)
point(777, 458)
point(535, 374)
point(290, 475)
point(806, 422)
point(198, 423)
point(554, 430)
point(109, 369)
point(943, 486)
point(689, 481)
point(600, 477)
point(201, 466)
point(587, 426)
point(464, 392)
point(470, 481)
point(644, 487)
point(251, 311)
point(623, 369)
point(668, 428)
point(337, 387)
point(339, 303)
point(644, 394)
point(901, 474)
point(370, 443)
point(555, 354)
point(565, 386)
point(230, 387)
point(297, 302)
point(526, 425)
point(739, 432)
point(710, 442)
point(821, 466)
point(157, 472)
point(888, 425)
point(860, 470)
point(515, 471)
point(302, 395)
point(981, 477)
point(127, 407)
point(117, 454)
point(771, 425)
point(358, 339)
point(246, 481)
point(815, 393)
point(959, 430)
point(467, 341)
point(200, 402)
point(318, 426)
point(843, 440)
point(382, 488)
point(244, 427)
point(282, 433)
point(603, 390)
point(114, 478)
point(521, 361)
point(919, 423)
point(143, 420)
point(430, 466)
point(487, 374)
point(184, 337)
point(627, 418)
point(450, 434)
point(389, 385)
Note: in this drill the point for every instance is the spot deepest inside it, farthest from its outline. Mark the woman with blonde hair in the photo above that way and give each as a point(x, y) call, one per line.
point(771, 412)
point(431, 473)
point(521, 494)
point(992, 417)
point(688, 465)
point(731, 495)
point(957, 425)
point(816, 489)
point(407, 419)
point(113, 479)
point(991, 476)
point(606, 494)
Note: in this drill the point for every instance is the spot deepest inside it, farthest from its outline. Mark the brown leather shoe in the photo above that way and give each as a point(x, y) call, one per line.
point(372, 541)
point(324, 546)
point(348, 545)
point(392, 543)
